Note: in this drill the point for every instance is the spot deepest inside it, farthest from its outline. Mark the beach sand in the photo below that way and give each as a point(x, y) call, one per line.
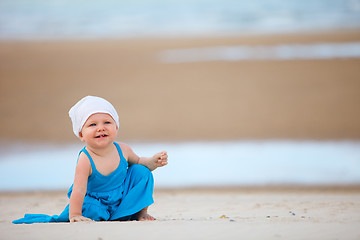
point(212, 101)
point(298, 99)
point(227, 213)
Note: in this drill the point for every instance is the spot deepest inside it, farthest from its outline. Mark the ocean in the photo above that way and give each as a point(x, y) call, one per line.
point(109, 19)
point(32, 167)
point(66, 19)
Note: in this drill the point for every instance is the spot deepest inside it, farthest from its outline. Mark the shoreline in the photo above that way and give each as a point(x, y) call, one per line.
point(245, 163)
point(336, 35)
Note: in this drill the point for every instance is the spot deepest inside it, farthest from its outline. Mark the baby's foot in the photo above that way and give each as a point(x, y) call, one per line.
point(144, 216)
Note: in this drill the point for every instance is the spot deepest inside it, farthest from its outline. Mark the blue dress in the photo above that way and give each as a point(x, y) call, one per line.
point(115, 197)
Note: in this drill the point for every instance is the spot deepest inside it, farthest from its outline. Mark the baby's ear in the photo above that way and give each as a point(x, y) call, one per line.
point(81, 136)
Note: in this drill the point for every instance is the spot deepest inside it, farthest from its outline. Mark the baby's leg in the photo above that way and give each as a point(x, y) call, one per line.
point(137, 195)
point(144, 216)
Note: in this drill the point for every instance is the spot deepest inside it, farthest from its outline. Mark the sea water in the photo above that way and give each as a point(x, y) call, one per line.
point(191, 164)
point(116, 19)
point(44, 19)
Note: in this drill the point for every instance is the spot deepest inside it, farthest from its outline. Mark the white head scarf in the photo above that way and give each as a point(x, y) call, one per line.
point(86, 107)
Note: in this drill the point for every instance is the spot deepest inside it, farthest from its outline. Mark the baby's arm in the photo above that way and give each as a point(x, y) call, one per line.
point(158, 160)
point(82, 173)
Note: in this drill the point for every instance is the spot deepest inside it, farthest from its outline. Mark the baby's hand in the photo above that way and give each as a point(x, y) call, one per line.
point(80, 219)
point(160, 159)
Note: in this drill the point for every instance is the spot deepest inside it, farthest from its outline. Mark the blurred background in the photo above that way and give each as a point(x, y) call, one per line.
point(263, 92)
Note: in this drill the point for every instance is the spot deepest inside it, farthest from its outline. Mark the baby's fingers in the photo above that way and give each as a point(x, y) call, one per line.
point(80, 219)
point(163, 162)
point(162, 159)
point(164, 155)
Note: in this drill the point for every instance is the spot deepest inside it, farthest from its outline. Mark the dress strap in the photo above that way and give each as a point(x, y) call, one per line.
point(119, 150)
point(91, 160)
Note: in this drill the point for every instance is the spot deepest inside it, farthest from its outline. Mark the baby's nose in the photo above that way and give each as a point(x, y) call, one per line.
point(101, 127)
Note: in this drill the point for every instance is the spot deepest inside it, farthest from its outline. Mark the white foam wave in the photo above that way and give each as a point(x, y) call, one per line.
point(256, 53)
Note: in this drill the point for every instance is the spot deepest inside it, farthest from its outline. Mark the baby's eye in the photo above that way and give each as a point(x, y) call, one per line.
point(92, 125)
point(107, 122)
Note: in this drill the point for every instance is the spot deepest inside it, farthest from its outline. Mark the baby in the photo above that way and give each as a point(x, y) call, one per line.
point(111, 182)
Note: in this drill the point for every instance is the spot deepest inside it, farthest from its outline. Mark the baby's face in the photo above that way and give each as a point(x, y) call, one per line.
point(99, 130)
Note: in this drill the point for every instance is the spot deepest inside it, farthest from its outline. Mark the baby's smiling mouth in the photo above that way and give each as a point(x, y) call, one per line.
point(101, 136)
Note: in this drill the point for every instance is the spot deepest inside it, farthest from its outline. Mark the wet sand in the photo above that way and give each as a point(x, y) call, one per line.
point(299, 99)
point(208, 213)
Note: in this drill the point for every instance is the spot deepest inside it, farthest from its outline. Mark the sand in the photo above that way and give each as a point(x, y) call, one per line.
point(308, 99)
point(300, 99)
point(229, 213)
